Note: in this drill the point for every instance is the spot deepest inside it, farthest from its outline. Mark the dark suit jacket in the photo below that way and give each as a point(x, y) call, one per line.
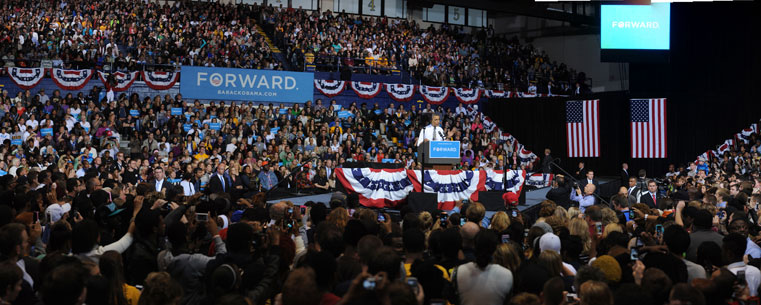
point(625, 178)
point(560, 196)
point(583, 182)
point(646, 199)
point(215, 185)
point(163, 186)
point(582, 174)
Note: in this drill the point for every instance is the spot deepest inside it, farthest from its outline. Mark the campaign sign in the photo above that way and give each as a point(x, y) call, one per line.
point(444, 149)
point(134, 112)
point(176, 111)
point(343, 114)
point(210, 83)
point(274, 130)
point(17, 142)
point(215, 126)
point(46, 131)
point(186, 127)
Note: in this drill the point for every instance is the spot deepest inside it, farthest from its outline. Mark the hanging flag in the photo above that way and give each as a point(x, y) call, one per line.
point(467, 96)
point(400, 92)
point(648, 128)
point(160, 80)
point(497, 94)
point(366, 90)
point(330, 88)
point(71, 79)
point(377, 188)
point(26, 78)
point(123, 80)
point(583, 128)
point(434, 95)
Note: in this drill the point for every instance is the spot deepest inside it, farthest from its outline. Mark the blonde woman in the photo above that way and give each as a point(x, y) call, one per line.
point(508, 256)
point(612, 227)
point(580, 228)
point(573, 212)
point(500, 222)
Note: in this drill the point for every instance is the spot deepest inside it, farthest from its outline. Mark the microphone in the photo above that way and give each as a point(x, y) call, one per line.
point(441, 134)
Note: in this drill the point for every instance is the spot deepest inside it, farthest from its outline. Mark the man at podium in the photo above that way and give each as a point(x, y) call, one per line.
point(433, 132)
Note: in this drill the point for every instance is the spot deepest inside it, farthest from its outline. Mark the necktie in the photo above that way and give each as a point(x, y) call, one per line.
point(192, 189)
point(653, 195)
point(222, 179)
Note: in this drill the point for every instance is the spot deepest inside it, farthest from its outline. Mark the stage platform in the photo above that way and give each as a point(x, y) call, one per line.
point(533, 197)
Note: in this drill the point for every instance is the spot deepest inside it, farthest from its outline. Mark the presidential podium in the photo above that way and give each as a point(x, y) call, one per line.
point(439, 155)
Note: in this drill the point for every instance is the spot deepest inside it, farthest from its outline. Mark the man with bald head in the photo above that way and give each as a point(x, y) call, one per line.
point(585, 200)
point(468, 233)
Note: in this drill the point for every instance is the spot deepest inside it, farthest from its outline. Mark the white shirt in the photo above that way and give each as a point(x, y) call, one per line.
point(488, 286)
point(431, 133)
point(752, 276)
point(187, 188)
point(159, 184)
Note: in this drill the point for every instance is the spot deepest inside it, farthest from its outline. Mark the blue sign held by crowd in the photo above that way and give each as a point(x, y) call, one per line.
point(176, 111)
point(16, 142)
point(134, 112)
point(46, 131)
point(215, 126)
point(186, 127)
point(274, 130)
point(344, 114)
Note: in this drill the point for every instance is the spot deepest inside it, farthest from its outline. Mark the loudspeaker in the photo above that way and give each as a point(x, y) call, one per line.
point(492, 200)
point(420, 202)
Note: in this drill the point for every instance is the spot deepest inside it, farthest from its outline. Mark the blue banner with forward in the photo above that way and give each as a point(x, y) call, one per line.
point(246, 85)
point(444, 149)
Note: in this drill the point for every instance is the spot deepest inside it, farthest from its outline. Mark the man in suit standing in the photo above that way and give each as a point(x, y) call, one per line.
point(590, 179)
point(582, 172)
point(633, 190)
point(159, 181)
point(218, 182)
point(651, 197)
point(625, 174)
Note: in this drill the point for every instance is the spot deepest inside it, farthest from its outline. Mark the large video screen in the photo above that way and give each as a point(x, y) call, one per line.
point(635, 26)
point(635, 33)
point(645, 27)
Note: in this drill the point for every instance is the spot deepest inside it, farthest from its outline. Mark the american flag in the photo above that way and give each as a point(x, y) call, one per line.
point(583, 128)
point(648, 128)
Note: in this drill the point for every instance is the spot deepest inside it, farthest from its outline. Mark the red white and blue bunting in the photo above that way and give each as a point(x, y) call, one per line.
point(467, 96)
point(497, 94)
point(160, 80)
point(329, 88)
point(366, 90)
point(381, 188)
point(400, 92)
point(434, 95)
point(26, 78)
point(71, 79)
point(123, 80)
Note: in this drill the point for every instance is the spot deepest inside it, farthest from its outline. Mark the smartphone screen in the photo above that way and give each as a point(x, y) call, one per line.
point(381, 218)
point(462, 221)
point(444, 218)
point(203, 217)
point(659, 229)
point(505, 238)
point(598, 228)
point(303, 210)
point(515, 213)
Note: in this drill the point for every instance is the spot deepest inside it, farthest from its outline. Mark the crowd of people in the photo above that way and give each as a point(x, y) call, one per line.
point(179, 215)
point(443, 56)
point(124, 35)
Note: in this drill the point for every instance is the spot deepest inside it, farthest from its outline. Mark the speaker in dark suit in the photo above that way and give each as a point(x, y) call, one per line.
point(625, 175)
point(590, 178)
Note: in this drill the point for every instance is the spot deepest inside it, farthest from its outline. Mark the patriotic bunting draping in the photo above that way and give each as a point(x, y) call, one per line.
point(400, 92)
point(382, 188)
point(329, 88)
point(123, 80)
point(26, 78)
point(434, 95)
point(160, 80)
point(467, 96)
point(71, 79)
point(366, 90)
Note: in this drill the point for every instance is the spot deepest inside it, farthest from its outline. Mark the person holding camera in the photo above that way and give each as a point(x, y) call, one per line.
point(585, 199)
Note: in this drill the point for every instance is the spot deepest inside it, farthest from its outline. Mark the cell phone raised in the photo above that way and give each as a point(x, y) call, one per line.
point(303, 210)
point(412, 282)
point(202, 217)
point(369, 283)
point(381, 217)
point(598, 228)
